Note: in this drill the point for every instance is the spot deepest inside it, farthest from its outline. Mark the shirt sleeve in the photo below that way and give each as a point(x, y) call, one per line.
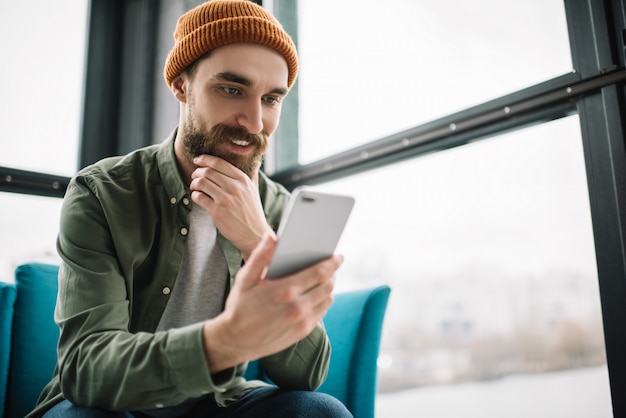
point(100, 362)
point(303, 366)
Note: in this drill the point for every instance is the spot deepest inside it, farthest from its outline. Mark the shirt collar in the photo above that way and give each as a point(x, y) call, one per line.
point(168, 168)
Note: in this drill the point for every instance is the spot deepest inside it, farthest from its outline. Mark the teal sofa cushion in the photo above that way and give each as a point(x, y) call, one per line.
point(35, 336)
point(7, 305)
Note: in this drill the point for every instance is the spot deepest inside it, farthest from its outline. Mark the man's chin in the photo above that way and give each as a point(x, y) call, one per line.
point(247, 164)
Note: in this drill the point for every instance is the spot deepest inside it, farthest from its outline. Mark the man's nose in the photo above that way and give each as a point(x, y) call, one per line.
point(251, 116)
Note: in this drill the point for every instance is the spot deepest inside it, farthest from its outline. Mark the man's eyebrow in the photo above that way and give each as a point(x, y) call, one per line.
point(235, 78)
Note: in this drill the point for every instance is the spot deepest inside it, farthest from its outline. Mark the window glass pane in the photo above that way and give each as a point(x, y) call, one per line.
point(488, 249)
point(29, 226)
point(372, 68)
point(42, 44)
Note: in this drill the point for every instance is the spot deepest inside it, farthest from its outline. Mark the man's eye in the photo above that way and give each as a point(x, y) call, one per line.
point(230, 90)
point(271, 100)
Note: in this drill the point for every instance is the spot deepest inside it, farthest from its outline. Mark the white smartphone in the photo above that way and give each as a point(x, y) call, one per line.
point(309, 230)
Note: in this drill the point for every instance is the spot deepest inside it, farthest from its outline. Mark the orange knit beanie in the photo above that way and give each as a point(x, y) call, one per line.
point(218, 23)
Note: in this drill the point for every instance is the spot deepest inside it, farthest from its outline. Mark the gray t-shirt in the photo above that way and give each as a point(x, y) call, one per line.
point(200, 288)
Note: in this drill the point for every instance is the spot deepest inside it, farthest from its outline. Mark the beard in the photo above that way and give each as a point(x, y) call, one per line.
point(198, 142)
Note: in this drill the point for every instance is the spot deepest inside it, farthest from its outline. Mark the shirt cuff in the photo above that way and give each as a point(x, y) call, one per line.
point(188, 364)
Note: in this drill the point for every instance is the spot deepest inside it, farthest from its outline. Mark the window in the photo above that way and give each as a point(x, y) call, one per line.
point(43, 67)
point(489, 252)
point(42, 44)
point(372, 68)
point(488, 247)
point(29, 226)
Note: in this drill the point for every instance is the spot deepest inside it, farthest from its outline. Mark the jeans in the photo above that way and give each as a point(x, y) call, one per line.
point(262, 402)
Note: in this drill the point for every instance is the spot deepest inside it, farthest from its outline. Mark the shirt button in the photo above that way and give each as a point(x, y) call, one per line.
point(184, 231)
point(159, 405)
point(173, 200)
point(185, 201)
point(166, 290)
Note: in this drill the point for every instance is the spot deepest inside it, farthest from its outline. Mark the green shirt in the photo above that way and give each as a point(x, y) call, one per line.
point(121, 240)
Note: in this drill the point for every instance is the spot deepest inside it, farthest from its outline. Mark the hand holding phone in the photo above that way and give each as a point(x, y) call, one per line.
point(309, 230)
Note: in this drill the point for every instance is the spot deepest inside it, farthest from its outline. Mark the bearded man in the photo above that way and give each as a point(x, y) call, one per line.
point(157, 315)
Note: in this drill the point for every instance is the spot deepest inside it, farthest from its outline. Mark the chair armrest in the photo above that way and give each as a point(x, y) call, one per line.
point(8, 294)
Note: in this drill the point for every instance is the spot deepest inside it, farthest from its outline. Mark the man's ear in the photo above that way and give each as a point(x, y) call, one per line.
point(179, 88)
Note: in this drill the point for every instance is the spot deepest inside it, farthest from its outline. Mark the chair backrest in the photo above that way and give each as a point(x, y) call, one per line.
point(35, 336)
point(354, 325)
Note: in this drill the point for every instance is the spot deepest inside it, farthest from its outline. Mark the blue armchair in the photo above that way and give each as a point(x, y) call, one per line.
point(29, 336)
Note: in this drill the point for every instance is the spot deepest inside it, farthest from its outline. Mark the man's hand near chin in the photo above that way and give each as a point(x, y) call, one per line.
point(232, 199)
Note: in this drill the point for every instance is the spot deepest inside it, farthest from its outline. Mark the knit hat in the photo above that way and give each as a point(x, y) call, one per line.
point(218, 23)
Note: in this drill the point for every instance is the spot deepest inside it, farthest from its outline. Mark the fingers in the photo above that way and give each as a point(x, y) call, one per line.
point(309, 290)
point(220, 181)
point(266, 316)
point(218, 164)
point(317, 274)
point(215, 183)
point(209, 164)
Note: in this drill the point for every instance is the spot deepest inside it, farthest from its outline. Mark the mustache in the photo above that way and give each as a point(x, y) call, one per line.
point(223, 132)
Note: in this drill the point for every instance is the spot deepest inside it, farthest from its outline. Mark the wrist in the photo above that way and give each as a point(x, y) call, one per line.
point(221, 356)
point(247, 251)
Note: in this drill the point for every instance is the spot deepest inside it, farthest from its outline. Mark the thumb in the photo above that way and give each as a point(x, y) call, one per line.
point(257, 264)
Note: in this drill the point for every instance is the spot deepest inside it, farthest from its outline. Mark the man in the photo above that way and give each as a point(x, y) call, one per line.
point(152, 319)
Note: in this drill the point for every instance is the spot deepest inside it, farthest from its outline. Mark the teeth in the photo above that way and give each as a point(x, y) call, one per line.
point(241, 142)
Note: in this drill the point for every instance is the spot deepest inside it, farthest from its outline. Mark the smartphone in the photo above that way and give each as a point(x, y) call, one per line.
point(309, 230)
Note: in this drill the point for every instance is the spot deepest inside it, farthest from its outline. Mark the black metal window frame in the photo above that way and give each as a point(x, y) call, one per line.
point(594, 90)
